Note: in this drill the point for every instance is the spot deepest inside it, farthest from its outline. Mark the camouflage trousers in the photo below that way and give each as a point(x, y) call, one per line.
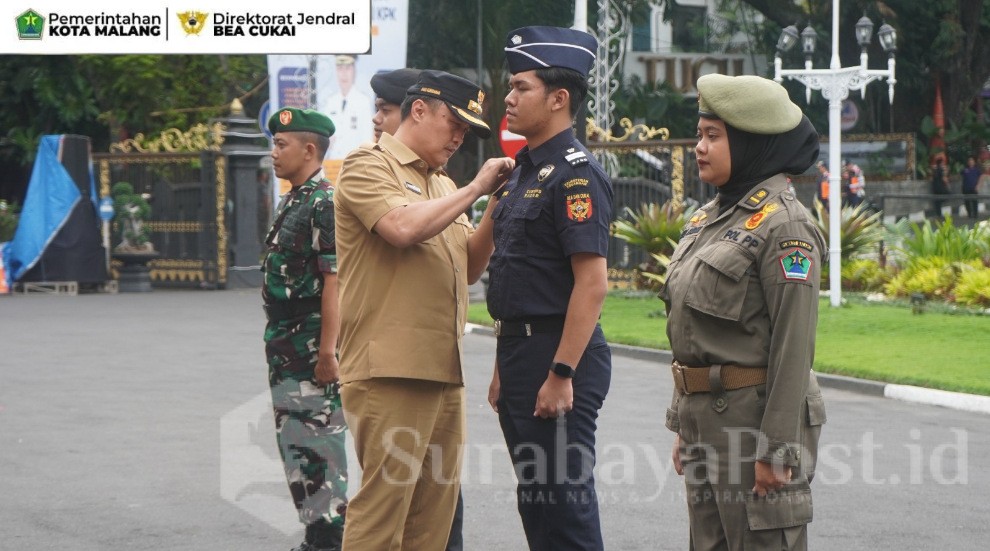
point(309, 422)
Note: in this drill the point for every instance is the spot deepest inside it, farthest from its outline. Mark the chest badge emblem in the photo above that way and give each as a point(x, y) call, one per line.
point(544, 172)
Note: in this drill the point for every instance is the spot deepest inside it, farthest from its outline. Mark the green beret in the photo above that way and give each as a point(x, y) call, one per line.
point(749, 103)
point(291, 119)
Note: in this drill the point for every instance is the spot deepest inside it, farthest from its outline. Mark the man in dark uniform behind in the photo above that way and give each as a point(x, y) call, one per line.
point(547, 285)
point(300, 297)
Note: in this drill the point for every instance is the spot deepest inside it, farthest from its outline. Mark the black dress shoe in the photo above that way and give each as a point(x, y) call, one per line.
point(305, 546)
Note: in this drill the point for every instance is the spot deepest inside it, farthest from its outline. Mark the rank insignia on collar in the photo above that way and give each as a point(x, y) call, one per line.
point(698, 218)
point(544, 172)
point(579, 207)
point(796, 265)
point(758, 197)
point(757, 219)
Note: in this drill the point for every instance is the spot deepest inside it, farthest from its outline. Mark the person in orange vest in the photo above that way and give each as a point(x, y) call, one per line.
point(823, 177)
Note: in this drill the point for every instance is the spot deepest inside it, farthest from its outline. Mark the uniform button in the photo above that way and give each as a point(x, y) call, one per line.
point(458, 270)
point(780, 452)
point(797, 454)
point(720, 402)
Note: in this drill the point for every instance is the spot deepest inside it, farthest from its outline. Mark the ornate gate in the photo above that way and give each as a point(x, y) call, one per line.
point(183, 175)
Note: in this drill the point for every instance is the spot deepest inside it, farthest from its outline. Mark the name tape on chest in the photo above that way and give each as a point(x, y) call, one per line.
point(741, 237)
point(535, 193)
point(414, 188)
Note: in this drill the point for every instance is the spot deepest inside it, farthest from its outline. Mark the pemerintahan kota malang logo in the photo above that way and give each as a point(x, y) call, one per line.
point(30, 25)
point(192, 21)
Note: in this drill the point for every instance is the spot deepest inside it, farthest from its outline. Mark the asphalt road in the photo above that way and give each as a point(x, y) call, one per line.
point(141, 421)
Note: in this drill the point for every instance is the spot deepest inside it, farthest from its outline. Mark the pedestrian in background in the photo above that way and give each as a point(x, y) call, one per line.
point(857, 183)
point(407, 254)
point(823, 176)
point(548, 280)
point(970, 184)
point(300, 300)
point(742, 305)
point(939, 183)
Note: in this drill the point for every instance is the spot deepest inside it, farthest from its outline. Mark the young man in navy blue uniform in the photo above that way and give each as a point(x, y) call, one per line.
point(548, 281)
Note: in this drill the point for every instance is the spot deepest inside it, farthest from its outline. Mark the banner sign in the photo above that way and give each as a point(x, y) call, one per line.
point(185, 27)
point(340, 85)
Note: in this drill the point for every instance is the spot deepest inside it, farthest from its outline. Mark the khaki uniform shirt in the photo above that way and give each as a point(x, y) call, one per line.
point(402, 310)
point(742, 288)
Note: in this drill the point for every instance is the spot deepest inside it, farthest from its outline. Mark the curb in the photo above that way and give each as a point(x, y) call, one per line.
point(914, 394)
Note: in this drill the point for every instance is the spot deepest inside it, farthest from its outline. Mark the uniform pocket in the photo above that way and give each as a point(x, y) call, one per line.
point(779, 510)
point(296, 229)
point(721, 280)
point(816, 410)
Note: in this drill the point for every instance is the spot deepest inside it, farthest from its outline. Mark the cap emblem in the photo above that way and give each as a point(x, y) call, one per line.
point(516, 39)
point(285, 117)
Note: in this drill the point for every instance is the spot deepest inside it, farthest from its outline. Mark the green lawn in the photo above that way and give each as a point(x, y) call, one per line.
point(871, 341)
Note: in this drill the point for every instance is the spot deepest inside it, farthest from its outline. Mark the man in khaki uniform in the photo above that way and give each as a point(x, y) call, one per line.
point(406, 254)
point(742, 299)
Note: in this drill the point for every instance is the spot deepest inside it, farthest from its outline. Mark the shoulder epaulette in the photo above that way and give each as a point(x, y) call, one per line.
point(757, 198)
point(576, 157)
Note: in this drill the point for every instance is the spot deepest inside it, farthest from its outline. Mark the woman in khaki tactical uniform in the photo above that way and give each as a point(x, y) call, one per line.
point(742, 302)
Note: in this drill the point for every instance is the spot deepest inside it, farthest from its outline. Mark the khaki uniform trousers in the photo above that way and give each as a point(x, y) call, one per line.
point(409, 435)
point(718, 452)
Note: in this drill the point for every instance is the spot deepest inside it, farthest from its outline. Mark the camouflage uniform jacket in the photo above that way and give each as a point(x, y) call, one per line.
point(742, 288)
point(300, 245)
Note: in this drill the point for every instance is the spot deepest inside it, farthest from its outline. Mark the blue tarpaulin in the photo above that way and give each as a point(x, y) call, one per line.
point(52, 196)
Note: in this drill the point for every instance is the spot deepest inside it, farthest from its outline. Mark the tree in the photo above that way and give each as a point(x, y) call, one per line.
point(109, 98)
point(945, 41)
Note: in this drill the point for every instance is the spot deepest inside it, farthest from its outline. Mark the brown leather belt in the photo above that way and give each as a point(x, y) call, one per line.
point(689, 380)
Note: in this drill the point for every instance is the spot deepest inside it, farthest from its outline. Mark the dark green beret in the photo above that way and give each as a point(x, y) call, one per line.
point(291, 119)
point(749, 103)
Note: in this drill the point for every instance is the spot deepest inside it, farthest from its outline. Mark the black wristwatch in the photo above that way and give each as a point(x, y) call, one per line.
point(562, 370)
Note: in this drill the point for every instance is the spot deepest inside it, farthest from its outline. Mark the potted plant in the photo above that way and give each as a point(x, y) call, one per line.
point(131, 213)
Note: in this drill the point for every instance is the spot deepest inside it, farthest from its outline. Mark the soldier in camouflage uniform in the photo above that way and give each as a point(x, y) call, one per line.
point(300, 297)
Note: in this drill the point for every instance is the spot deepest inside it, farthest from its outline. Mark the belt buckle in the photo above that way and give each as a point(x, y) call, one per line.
point(679, 372)
point(498, 328)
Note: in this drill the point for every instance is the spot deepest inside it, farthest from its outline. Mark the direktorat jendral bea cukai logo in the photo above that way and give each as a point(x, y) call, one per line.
point(30, 25)
point(192, 21)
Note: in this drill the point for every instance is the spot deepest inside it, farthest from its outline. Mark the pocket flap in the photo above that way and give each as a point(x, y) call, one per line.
point(779, 510)
point(728, 260)
point(816, 410)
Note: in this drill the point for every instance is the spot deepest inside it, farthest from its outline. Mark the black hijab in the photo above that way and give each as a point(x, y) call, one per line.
point(756, 157)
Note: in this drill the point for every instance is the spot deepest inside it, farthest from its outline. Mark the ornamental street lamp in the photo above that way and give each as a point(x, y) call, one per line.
point(835, 84)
